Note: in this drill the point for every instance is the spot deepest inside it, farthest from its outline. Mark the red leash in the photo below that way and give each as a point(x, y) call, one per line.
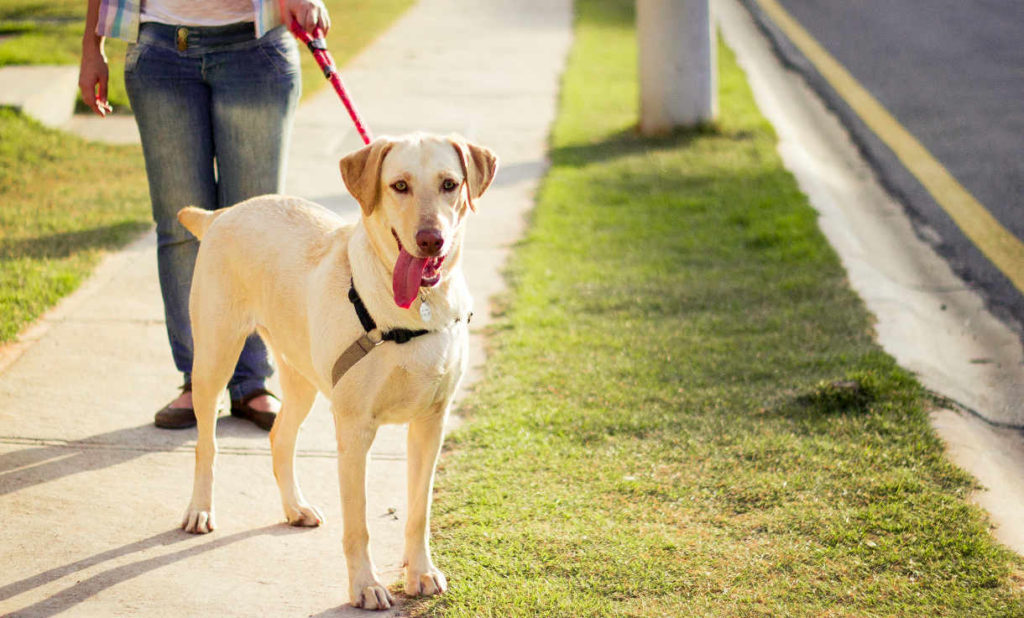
point(318, 46)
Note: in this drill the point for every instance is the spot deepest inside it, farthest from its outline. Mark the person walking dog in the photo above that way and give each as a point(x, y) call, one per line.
point(214, 87)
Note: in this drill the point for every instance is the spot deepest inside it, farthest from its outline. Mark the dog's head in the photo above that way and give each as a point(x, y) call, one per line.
point(414, 192)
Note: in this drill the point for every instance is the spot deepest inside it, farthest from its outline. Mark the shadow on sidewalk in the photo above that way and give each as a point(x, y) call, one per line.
point(82, 590)
point(42, 464)
point(48, 462)
point(347, 611)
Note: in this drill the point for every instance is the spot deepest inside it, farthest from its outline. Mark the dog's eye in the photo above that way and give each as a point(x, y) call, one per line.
point(400, 187)
point(449, 185)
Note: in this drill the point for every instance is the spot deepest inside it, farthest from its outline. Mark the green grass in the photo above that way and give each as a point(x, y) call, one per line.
point(63, 201)
point(50, 32)
point(685, 412)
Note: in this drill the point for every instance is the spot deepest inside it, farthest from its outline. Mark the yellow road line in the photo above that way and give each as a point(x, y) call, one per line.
point(998, 244)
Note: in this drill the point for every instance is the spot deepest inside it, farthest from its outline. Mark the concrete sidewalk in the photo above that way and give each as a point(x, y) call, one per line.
point(91, 493)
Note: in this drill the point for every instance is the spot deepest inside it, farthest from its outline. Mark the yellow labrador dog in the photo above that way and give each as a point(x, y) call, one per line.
point(372, 314)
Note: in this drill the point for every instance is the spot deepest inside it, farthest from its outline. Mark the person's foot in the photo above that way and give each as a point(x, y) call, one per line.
point(179, 413)
point(260, 406)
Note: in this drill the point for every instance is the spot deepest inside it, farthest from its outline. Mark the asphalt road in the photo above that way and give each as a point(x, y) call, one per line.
point(952, 73)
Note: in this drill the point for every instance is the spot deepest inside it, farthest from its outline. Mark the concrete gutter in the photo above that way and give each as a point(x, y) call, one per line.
point(927, 318)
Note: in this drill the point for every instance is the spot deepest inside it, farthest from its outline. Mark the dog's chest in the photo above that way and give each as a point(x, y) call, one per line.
point(417, 377)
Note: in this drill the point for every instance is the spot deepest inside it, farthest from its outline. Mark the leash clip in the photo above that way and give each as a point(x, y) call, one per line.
point(375, 336)
point(369, 340)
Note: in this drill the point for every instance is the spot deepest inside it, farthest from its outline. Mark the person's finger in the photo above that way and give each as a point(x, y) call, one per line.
point(89, 96)
point(291, 13)
point(312, 15)
point(102, 102)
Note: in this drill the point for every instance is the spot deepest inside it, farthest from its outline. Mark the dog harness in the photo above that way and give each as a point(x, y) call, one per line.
point(373, 336)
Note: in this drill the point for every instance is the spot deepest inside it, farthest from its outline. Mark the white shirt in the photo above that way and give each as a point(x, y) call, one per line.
point(197, 12)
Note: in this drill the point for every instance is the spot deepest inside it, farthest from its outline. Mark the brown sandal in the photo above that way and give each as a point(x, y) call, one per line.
point(262, 419)
point(176, 418)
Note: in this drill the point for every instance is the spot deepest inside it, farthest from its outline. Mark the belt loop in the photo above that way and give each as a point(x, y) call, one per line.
point(182, 39)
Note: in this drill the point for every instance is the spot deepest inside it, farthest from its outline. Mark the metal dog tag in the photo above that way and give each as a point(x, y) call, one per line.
point(425, 311)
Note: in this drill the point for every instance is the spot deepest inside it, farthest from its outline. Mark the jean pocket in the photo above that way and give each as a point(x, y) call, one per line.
point(282, 53)
point(132, 55)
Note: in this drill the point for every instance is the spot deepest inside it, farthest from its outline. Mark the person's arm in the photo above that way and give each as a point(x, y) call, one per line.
point(308, 13)
point(93, 72)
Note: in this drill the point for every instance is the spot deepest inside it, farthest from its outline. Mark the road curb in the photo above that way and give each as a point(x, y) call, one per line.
point(931, 222)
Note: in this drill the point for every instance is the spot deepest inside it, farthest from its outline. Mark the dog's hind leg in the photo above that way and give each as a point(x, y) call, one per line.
point(297, 395)
point(424, 440)
point(217, 344)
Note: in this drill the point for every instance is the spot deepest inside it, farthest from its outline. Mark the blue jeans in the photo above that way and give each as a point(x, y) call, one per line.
point(214, 107)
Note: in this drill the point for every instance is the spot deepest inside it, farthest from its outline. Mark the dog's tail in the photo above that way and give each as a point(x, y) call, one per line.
point(197, 220)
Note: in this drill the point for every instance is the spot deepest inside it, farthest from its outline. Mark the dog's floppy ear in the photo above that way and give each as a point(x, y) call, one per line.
point(479, 165)
point(361, 172)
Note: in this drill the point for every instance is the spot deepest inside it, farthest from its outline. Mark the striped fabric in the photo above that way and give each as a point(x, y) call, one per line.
point(120, 18)
point(268, 15)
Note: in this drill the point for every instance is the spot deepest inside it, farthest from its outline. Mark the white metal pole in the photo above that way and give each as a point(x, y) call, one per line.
point(678, 68)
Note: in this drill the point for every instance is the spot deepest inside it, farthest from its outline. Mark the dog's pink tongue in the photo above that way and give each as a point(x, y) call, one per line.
point(407, 277)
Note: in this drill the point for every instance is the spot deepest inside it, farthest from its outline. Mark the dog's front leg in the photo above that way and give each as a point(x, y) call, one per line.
point(355, 436)
point(421, 576)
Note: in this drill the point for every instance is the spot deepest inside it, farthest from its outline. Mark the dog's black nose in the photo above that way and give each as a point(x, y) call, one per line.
point(430, 242)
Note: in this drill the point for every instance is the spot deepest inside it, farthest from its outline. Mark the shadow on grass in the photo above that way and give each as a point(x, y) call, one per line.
point(865, 392)
point(629, 142)
point(10, 28)
point(618, 15)
point(66, 244)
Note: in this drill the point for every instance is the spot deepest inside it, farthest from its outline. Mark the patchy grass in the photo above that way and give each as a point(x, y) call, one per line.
point(685, 412)
point(65, 201)
point(50, 32)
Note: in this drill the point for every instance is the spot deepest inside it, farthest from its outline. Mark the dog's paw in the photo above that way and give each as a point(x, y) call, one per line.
point(425, 583)
point(304, 515)
point(374, 596)
point(198, 521)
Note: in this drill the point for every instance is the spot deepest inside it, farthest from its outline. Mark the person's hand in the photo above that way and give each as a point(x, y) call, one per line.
point(308, 13)
point(92, 78)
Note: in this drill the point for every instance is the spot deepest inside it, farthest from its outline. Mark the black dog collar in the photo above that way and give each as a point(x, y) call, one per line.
point(372, 338)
